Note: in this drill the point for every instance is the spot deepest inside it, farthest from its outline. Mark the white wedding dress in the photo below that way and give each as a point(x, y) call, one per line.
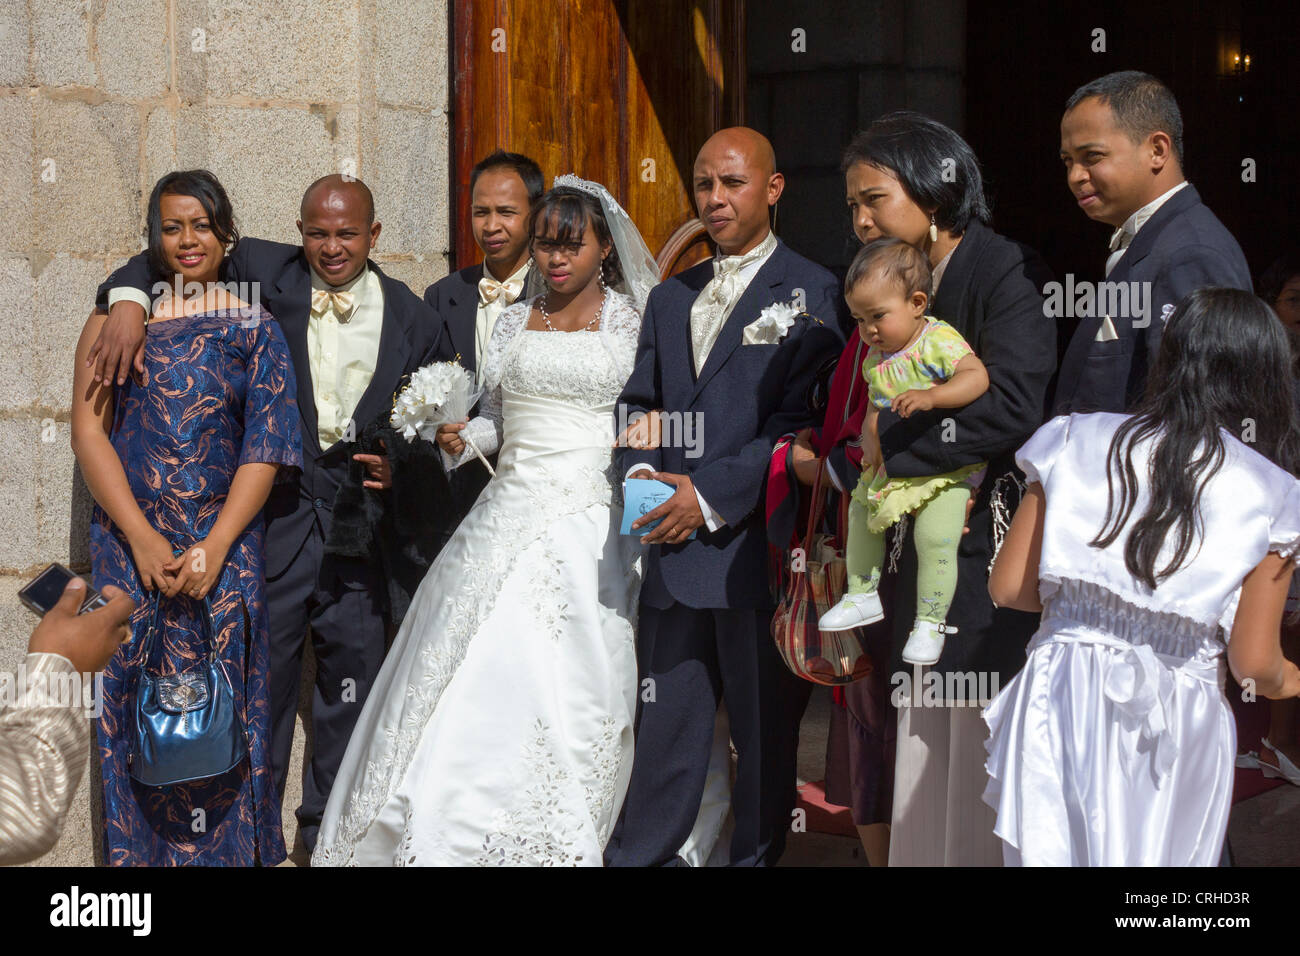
point(499, 730)
point(1115, 745)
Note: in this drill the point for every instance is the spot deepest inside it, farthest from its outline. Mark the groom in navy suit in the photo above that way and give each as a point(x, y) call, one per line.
point(735, 345)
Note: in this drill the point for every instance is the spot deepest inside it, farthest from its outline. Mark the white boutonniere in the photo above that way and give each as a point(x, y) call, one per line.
point(771, 325)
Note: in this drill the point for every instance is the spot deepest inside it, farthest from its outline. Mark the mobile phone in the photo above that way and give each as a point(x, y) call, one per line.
point(43, 591)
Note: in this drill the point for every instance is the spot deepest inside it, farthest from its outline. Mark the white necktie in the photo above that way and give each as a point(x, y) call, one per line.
point(1119, 241)
point(719, 297)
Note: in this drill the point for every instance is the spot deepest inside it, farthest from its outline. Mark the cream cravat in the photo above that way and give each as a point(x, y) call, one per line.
point(716, 300)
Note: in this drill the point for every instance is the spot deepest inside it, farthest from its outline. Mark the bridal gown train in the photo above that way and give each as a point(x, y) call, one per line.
point(499, 730)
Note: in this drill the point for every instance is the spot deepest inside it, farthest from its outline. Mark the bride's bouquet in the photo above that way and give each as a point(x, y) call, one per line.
point(440, 393)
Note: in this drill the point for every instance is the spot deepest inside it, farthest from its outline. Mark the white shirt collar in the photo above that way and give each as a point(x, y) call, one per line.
point(1136, 221)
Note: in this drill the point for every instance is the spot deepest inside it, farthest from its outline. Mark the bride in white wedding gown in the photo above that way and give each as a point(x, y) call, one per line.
point(499, 730)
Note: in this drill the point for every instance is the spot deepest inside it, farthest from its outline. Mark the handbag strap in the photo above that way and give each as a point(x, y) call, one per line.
point(857, 376)
point(206, 626)
point(842, 527)
point(816, 508)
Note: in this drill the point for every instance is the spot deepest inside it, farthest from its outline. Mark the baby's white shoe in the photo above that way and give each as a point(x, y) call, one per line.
point(925, 643)
point(853, 610)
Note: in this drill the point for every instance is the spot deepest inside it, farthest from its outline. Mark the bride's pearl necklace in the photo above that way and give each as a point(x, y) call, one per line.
point(546, 316)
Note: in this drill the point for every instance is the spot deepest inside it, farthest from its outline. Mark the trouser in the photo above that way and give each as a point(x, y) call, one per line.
point(690, 657)
point(337, 601)
point(936, 534)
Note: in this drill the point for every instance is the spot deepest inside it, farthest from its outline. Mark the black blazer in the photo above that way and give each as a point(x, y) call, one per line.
point(991, 294)
point(454, 298)
point(355, 522)
point(746, 396)
point(1181, 248)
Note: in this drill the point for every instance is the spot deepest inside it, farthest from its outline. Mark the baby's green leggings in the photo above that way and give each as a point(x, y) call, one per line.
point(936, 532)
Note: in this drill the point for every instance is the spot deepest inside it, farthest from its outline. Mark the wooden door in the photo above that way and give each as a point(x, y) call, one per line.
point(623, 92)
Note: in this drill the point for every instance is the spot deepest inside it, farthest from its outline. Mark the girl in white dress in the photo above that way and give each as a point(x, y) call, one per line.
point(1115, 745)
point(499, 730)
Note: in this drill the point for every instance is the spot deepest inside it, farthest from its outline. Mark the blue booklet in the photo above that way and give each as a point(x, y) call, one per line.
point(641, 496)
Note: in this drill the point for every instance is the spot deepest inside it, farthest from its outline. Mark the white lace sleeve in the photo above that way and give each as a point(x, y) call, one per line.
point(621, 325)
point(485, 428)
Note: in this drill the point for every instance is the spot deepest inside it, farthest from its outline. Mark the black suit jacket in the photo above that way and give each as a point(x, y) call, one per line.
point(746, 396)
point(454, 297)
point(1181, 248)
point(328, 492)
point(991, 294)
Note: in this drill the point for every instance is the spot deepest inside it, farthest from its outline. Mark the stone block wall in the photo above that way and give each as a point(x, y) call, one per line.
point(98, 98)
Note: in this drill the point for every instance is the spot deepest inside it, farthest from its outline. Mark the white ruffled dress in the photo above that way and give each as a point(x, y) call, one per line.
point(1115, 745)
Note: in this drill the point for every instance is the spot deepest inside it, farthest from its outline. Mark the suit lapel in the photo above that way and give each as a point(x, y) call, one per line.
point(758, 294)
point(462, 317)
point(674, 332)
point(394, 353)
point(1145, 240)
point(293, 289)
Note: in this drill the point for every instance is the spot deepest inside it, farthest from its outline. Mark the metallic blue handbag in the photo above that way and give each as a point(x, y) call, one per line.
point(187, 725)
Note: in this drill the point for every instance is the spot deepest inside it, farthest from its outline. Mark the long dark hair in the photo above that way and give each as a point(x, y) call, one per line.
point(1224, 363)
point(564, 213)
point(204, 187)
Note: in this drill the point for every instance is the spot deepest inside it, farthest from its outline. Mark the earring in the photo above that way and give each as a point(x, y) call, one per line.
point(934, 230)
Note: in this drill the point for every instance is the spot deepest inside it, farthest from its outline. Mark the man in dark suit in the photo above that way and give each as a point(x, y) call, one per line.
point(503, 188)
point(1122, 144)
point(339, 562)
point(735, 345)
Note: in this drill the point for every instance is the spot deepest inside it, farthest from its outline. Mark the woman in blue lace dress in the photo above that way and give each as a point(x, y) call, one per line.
point(183, 458)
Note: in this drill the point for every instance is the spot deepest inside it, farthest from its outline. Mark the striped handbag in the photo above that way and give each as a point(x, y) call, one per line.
point(813, 580)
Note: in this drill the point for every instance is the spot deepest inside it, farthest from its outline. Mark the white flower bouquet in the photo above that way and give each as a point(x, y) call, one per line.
point(441, 393)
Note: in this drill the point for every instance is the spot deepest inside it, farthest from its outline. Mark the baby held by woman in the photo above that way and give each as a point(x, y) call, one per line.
point(915, 363)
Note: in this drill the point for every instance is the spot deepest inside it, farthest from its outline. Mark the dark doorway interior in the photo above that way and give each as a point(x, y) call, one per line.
point(1000, 73)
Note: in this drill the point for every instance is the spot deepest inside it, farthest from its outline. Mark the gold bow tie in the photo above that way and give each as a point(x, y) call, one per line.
point(489, 289)
point(341, 302)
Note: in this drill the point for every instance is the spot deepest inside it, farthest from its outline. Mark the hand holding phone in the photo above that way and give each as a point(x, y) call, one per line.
point(87, 638)
point(44, 591)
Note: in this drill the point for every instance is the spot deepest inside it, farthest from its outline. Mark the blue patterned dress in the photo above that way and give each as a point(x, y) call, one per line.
point(218, 392)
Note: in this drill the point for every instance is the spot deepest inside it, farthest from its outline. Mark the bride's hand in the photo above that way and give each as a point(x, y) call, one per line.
point(448, 439)
point(642, 433)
